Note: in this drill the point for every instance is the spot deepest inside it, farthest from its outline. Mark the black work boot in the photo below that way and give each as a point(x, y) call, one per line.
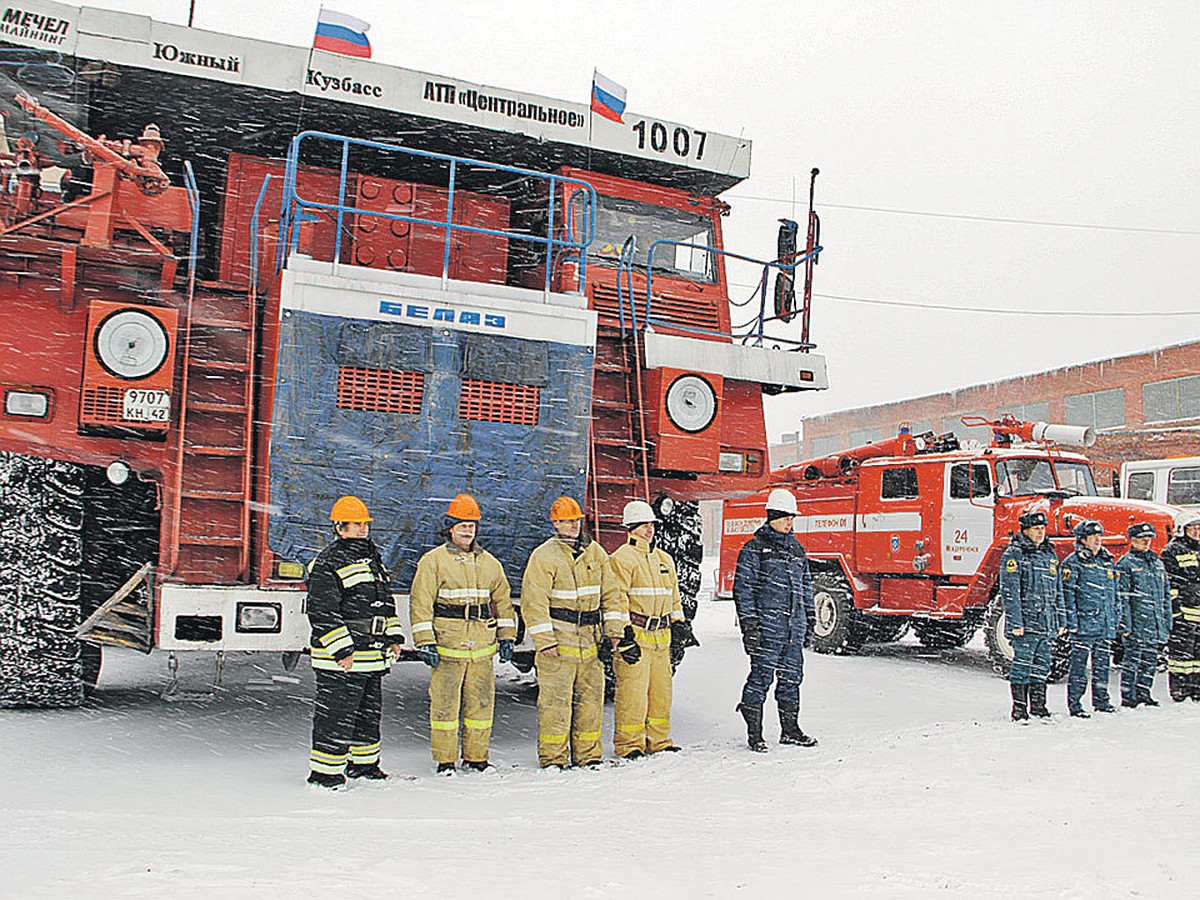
point(324, 780)
point(369, 771)
point(1020, 698)
point(789, 725)
point(753, 717)
point(1037, 700)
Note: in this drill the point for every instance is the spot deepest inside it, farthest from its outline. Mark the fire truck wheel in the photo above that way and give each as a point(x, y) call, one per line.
point(523, 660)
point(839, 627)
point(41, 543)
point(91, 657)
point(945, 635)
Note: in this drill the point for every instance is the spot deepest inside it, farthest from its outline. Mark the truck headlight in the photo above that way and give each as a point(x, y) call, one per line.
point(259, 617)
point(728, 461)
point(34, 404)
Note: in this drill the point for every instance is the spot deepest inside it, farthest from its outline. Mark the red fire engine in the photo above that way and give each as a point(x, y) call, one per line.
point(909, 531)
point(216, 328)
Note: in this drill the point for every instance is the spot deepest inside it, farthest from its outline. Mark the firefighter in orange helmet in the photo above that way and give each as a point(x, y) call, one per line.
point(565, 591)
point(353, 619)
point(647, 592)
point(462, 617)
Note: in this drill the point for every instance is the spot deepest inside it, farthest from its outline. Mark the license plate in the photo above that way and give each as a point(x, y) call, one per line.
point(147, 406)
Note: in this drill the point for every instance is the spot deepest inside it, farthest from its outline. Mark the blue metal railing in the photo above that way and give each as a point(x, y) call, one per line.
point(193, 198)
point(297, 209)
point(254, 236)
point(756, 334)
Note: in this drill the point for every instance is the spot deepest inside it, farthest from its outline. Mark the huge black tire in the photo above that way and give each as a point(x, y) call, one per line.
point(1000, 650)
point(944, 634)
point(680, 534)
point(886, 629)
point(839, 627)
point(41, 554)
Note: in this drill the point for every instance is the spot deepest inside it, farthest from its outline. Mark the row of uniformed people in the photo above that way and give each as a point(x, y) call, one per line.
point(575, 598)
point(1092, 598)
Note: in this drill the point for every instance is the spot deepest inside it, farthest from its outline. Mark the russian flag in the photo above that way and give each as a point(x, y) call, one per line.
point(608, 98)
point(340, 33)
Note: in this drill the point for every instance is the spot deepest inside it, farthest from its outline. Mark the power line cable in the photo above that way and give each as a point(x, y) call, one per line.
point(1041, 313)
point(1000, 219)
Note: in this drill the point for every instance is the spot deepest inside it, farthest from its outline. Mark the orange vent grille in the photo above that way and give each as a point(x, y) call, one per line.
point(687, 311)
point(490, 401)
point(380, 390)
point(103, 405)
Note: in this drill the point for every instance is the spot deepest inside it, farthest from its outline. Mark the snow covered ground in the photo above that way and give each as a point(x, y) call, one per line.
point(920, 787)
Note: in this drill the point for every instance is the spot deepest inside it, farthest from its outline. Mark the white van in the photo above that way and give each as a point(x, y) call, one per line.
point(1175, 481)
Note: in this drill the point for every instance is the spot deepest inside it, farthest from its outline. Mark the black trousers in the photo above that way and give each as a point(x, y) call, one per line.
point(346, 720)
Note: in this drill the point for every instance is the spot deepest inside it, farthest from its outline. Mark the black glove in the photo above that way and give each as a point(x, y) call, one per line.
point(682, 635)
point(751, 634)
point(628, 647)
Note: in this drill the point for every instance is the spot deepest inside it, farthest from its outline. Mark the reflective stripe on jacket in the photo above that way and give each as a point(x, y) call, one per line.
point(447, 574)
point(1089, 586)
point(557, 577)
point(348, 593)
point(1181, 559)
point(1145, 599)
point(646, 584)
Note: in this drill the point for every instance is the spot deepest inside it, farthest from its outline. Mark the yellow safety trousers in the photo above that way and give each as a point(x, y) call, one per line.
point(466, 687)
point(642, 707)
point(570, 707)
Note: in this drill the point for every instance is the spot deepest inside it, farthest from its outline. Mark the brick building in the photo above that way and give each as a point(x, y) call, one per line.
point(1142, 406)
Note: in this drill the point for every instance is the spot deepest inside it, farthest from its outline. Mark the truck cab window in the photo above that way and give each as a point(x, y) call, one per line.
point(1141, 486)
point(1183, 487)
point(899, 484)
point(617, 218)
point(969, 481)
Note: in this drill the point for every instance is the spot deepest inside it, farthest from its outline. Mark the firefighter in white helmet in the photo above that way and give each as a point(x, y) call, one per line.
point(772, 589)
point(566, 590)
point(647, 595)
point(353, 619)
point(462, 618)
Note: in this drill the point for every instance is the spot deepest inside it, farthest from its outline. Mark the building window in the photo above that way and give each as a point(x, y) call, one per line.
point(981, 433)
point(923, 427)
point(823, 446)
point(899, 484)
point(866, 436)
point(1177, 398)
point(1099, 409)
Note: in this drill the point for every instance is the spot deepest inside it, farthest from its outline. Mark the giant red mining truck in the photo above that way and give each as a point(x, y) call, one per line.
point(909, 531)
point(239, 280)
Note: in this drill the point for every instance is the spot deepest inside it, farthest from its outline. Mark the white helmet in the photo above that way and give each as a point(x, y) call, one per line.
point(1184, 520)
point(783, 501)
point(637, 512)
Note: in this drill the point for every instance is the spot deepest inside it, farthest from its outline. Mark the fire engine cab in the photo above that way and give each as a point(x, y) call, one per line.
point(909, 531)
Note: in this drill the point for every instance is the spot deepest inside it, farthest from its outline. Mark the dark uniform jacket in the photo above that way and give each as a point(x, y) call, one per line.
point(1030, 588)
point(1089, 586)
point(1181, 558)
point(1144, 597)
point(350, 607)
point(772, 581)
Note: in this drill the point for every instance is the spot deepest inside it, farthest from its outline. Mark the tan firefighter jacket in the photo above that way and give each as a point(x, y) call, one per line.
point(647, 593)
point(450, 580)
point(564, 597)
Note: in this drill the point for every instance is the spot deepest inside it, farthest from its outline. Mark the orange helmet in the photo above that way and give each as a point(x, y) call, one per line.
point(349, 509)
point(464, 508)
point(565, 509)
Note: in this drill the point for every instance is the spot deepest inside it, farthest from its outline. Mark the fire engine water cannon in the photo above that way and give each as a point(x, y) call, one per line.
point(1007, 428)
point(837, 465)
point(135, 160)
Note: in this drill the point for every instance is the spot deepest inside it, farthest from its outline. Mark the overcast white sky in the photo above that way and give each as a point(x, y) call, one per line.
point(1071, 113)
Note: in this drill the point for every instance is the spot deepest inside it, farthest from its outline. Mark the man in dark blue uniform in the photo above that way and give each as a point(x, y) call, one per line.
point(772, 589)
point(1145, 620)
point(1031, 592)
point(353, 619)
point(1089, 585)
